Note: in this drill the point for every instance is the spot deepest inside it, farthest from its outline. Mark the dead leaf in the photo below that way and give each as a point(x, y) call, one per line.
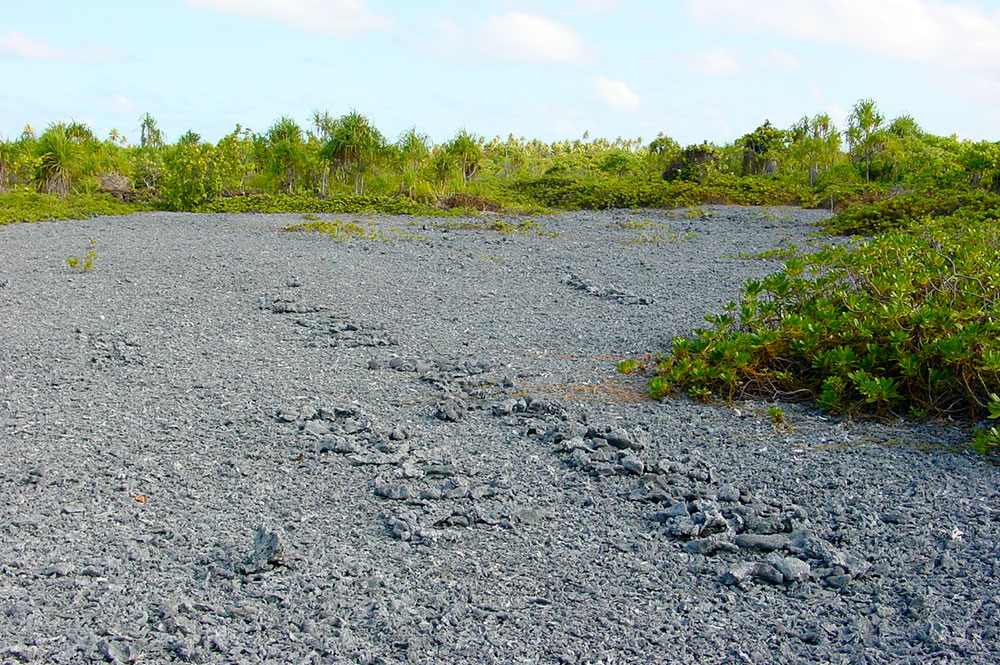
point(141, 498)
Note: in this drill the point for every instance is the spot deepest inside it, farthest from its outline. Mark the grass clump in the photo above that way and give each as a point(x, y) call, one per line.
point(338, 229)
point(501, 226)
point(341, 230)
point(907, 323)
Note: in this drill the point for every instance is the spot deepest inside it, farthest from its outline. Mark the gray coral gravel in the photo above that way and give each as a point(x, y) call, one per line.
point(229, 443)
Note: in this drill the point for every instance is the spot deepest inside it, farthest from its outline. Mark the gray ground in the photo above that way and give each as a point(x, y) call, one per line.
point(232, 444)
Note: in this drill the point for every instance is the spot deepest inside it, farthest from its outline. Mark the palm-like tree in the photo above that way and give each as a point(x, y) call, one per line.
point(58, 156)
point(467, 150)
point(285, 143)
point(866, 133)
point(356, 146)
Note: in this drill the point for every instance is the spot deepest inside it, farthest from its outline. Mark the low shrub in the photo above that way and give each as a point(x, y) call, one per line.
point(337, 204)
point(25, 206)
point(905, 324)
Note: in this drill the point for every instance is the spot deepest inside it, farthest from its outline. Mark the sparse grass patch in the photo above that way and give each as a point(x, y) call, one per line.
point(87, 263)
point(501, 226)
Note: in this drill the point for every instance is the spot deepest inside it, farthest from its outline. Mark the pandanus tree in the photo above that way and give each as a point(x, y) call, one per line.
point(8, 160)
point(410, 153)
point(467, 151)
point(356, 146)
point(58, 156)
point(815, 144)
point(761, 148)
point(866, 134)
point(285, 152)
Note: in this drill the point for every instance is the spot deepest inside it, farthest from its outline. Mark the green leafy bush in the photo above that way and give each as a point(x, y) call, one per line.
point(907, 323)
point(23, 206)
point(340, 203)
point(892, 213)
point(606, 193)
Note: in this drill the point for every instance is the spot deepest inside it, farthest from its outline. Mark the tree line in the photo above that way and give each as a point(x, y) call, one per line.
point(349, 155)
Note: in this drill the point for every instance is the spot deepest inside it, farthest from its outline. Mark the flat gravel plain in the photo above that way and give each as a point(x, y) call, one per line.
point(229, 443)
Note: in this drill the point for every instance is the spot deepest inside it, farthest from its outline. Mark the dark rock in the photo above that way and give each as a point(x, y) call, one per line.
point(728, 494)
point(708, 546)
point(451, 410)
point(268, 551)
point(632, 465)
point(738, 574)
point(792, 569)
point(394, 491)
point(765, 543)
point(767, 573)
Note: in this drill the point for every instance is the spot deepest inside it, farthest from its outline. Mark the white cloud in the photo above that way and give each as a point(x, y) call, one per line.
point(717, 62)
point(529, 38)
point(595, 6)
point(776, 59)
point(19, 44)
point(22, 45)
point(722, 61)
point(916, 30)
point(120, 104)
point(514, 37)
point(341, 18)
point(615, 94)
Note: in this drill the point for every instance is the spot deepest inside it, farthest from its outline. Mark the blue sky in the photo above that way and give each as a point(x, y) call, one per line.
point(549, 69)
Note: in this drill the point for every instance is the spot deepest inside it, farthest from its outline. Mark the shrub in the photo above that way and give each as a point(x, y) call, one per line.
point(908, 323)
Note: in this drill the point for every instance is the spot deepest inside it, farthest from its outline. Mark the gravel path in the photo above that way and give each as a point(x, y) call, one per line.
point(234, 444)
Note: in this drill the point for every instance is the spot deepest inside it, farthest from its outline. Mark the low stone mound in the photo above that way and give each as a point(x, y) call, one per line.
point(117, 185)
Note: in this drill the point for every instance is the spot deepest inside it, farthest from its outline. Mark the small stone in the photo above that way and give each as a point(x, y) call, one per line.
point(61, 569)
point(450, 410)
point(633, 465)
point(398, 434)
point(728, 494)
point(708, 546)
point(738, 574)
point(287, 415)
point(893, 517)
point(316, 428)
point(767, 573)
point(394, 491)
point(375, 364)
point(792, 568)
point(765, 543)
point(267, 552)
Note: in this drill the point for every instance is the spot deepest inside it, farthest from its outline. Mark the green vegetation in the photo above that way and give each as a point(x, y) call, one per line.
point(345, 165)
point(777, 418)
point(907, 323)
point(87, 263)
point(27, 206)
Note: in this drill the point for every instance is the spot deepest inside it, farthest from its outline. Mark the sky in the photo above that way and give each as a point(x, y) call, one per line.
point(694, 70)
